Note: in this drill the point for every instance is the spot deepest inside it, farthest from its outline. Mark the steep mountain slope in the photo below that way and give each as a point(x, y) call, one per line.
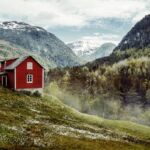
point(134, 45)
point(38, 40)
point(138, 37)
point(28, 122)
point(104, 50)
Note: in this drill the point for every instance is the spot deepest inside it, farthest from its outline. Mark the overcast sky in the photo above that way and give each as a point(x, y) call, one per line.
point(107, 20)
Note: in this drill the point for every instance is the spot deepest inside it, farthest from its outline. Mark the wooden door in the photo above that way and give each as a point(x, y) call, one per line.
point(4, 81)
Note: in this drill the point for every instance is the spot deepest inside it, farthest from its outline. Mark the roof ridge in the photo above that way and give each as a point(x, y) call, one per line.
point(6, 59)
point(19, 61)
point(16, 63)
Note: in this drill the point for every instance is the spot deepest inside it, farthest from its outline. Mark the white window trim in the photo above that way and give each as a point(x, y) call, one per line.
point(29, 65)
point(42, 78)
point(27, 78)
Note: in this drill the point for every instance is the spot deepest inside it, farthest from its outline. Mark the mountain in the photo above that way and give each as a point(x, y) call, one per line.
point(9, 50)
point(138, 37)
point(135, 44)
point(30, 122)
point(90, 49)
point(39, 41)
point(84, 47)
point(104, 50)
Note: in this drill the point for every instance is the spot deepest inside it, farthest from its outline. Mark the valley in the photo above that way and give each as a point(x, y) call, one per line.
point(95, 96)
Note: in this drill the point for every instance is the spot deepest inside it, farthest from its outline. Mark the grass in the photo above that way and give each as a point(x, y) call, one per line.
point(67, 143)
point(28, 122)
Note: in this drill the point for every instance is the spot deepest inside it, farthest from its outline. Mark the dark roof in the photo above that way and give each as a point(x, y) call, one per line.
point(2, 73)
point(18, 62)
point(3, 60)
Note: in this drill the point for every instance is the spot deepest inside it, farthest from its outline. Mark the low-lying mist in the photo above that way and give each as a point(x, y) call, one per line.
point(105, 105)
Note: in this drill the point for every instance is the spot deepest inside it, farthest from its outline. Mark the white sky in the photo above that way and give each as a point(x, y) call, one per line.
point(72, 13)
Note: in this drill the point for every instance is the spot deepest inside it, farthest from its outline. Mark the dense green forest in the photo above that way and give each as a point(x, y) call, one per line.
point(119, 90)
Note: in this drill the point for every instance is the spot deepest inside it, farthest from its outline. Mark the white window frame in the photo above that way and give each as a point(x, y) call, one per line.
point(29, 78)
point(29, 65)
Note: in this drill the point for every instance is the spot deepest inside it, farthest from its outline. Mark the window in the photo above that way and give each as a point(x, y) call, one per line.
point(29, 65)
point(29, 78)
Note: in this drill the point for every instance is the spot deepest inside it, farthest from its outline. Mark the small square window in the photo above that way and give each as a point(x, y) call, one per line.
point(29, 65)
point(29, 78)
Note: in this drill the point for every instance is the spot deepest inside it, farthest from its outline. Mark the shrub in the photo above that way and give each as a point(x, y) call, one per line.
point(29, 93)
point(37, 94)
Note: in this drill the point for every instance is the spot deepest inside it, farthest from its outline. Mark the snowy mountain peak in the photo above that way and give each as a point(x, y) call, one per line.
point(14, 25)
point(90, 48)
point(85, 46)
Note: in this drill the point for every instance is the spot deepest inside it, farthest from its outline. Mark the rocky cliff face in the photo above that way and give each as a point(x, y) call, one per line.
point(138, 37)
point(38, 40)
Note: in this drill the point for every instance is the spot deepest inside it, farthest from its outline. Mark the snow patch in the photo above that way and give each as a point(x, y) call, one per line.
point(85, 46)
point(13, 25)
point(125, 42)
point(32, 121)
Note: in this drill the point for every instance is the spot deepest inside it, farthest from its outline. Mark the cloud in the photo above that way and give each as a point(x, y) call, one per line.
point(43, 13)
point(113, 38)
point(71, 13)
point(99, 39)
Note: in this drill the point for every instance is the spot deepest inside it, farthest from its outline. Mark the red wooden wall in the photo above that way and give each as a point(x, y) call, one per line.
point(10, 79)
point(22, 71)
point(10, 74)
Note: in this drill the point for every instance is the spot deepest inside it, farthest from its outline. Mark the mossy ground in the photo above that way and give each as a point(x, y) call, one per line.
point(67, 143)
point(28, 122)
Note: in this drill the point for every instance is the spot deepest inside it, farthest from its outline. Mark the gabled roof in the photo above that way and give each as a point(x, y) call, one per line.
point(7, 59)
point(18, 62)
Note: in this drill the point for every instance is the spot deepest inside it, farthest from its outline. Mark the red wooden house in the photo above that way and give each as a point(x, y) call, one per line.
point(23, 73)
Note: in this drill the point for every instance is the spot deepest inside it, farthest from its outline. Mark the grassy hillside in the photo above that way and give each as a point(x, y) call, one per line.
point(28, 122)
